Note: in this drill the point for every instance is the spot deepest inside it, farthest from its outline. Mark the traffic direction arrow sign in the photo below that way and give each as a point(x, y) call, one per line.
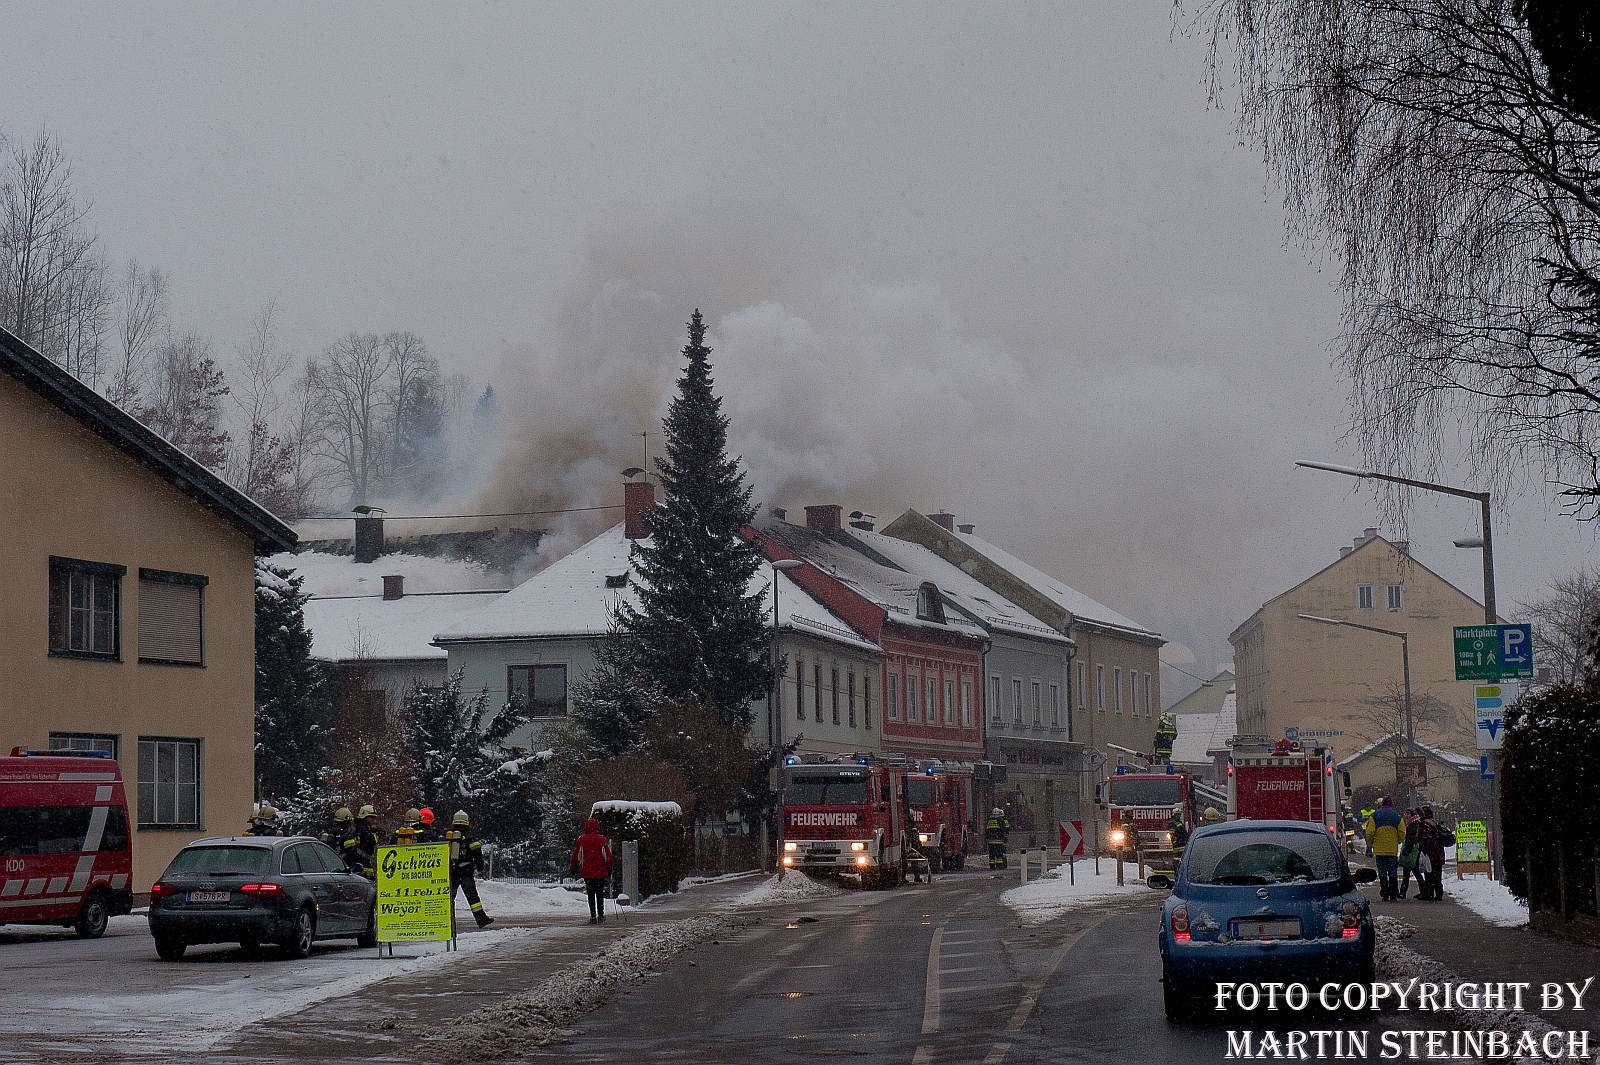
point(1493, 652)
point(1071, 838)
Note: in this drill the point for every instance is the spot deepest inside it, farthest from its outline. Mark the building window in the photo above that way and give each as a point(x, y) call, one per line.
point(892, 700)
point(834, 676)
point(929, 605)
point(995, 713)
point(1038, 706)
point(866, 702)
point(816, 694)
point(949, 702)
point(1147, 695)
point(1055, 706)
point(1396, 596)
point(1116, 684)
point(85, 605)
point(84, 741)
point(1016, 703)
point(911, 698)
point(169, 783)
point(1363, 597)
point(799, 689)
point(851, 679)
point(930, 704)
point(1100, 688)
point(542, 690)
point(171, 608)
point(1083, 684)
point(966, 704)
point(1133, 692)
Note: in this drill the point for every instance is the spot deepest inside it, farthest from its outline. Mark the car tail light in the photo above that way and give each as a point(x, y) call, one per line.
point(1350, 914)
point(161, 891)
point(1180, 923)
point(262, 890)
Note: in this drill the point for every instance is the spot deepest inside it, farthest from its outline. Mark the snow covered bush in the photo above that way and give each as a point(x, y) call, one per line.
point(663, 837)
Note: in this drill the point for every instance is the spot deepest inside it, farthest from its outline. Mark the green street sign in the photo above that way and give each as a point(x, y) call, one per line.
point(1493, 652)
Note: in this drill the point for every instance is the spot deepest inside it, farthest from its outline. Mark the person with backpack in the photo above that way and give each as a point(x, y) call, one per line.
point(1430, 841)
point(1408, 854)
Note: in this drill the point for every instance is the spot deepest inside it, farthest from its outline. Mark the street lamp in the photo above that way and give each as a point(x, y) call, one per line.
point(774, 712)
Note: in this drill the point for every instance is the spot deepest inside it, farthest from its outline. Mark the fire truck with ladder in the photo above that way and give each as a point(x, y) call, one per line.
point(940, 800)
point(1288, 782)
point(845, 818)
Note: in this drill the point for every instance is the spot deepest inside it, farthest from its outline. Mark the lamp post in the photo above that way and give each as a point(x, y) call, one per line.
point(774, 710)
point(1405, 665)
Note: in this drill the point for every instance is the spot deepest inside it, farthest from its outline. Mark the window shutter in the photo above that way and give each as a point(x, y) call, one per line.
point(169, 621)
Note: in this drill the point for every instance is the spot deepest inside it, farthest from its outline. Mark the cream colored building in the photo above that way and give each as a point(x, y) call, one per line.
point(128, 622)
point(1341, 686)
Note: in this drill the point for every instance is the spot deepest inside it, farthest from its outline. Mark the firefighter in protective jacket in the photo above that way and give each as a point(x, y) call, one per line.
point(995, 834)
point(466, 862)
point(360, 844)
point(407, 833)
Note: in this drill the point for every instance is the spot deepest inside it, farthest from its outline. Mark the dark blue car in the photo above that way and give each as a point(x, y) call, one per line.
point(1262, 901)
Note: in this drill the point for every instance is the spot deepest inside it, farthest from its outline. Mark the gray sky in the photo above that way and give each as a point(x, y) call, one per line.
point(999, 259)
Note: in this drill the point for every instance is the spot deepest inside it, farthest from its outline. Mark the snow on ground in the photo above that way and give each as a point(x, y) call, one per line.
point(1488, 899)
point(530, 898)
point(790, 887)
point(541, 1015)
point(1053, 895)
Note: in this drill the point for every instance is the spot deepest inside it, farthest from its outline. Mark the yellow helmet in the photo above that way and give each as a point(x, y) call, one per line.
point(413, 814)
point(343, 814)
point(268, 813)
point(368, 811)
point(460, 818)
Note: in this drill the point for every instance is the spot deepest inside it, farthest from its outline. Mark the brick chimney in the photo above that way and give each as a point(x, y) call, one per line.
point(638, 497)
point(966, 528)
point(394, 586)
point(944, 520)
point(828, 518)
point(369, 538)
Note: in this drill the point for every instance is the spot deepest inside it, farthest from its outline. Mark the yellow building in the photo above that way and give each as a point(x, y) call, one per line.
point(1342, 686)
point(128, 623)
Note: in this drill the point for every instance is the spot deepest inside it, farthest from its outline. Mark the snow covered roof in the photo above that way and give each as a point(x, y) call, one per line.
point(342, 575)
point(576, 596)
point(1450, 758)
point(1081, 606)
point(969, 593)
point(1201, 734)
point(344, 628)
point(893, 589)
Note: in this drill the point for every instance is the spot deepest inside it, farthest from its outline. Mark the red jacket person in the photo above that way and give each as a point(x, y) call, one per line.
point(592, 860)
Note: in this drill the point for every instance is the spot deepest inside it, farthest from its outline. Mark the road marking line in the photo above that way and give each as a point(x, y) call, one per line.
point(923, 1056)
point(968, 954)
point(968, 969)
point(971, 987)
point(1031, 999)
point(930, 1009)
point(997, 1055)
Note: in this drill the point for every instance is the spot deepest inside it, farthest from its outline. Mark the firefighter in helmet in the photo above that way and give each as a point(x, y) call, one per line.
point(263, 822)
point(466, 862)
point(360, 844)
point(341, 829)
point(406, 834)
point(995, 834)
point(1166, 733)
point(1179, 830)
point(427, 832)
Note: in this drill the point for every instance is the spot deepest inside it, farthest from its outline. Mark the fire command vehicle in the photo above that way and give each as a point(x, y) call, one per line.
point(1289, 782)
point(939, 798)
point(65, 855)
point(845, 819)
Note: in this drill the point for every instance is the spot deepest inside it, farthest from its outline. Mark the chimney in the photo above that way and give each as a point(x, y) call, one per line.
point(966, 528)
point(1343, 551)
point(944, 520)
point(369, 538)
point(638, 497)
point(394, 586)
point(828, 518)
point(864, 526)
point(780, 513)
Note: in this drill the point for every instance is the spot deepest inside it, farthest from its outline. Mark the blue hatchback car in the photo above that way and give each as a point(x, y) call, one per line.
point(1263, 900)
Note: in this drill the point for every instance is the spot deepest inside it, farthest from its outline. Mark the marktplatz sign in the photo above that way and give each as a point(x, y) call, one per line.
point(1493, 652)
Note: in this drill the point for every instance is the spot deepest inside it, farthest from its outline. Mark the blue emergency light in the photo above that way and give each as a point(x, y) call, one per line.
point(930, 770)
point(1170, 769)
point(1121, 769)
point(862, 760)
point(791, 760)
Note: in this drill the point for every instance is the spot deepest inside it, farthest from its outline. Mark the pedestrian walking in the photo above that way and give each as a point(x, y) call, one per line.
point(466, 862)
point(1408, 853)
point(1384, 830)
point(1430, 839)
point(995, 834)
point(592, 860)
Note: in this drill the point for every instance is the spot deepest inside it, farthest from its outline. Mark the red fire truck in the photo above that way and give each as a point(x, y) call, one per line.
point(939, 798)
point(1140, 803)
point(64, 849)
point(1288, 782)
point(844, 819)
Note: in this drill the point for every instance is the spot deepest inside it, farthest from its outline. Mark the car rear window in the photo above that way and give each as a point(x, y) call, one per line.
point(1269, 856)
point(219, 861)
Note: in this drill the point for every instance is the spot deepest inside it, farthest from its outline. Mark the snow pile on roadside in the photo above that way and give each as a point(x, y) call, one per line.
point(1053, 895)
point(1488, 899)
point(791, 887)
point(541, 1016)
point(530, 898)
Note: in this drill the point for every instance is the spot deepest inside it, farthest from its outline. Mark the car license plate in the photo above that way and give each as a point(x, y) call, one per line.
point(208, 896)
point(1276, 928)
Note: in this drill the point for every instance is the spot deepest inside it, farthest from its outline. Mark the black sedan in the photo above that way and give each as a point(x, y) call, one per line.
point(260, 889)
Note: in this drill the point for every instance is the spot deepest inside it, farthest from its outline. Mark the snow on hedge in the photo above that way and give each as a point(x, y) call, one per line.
point(632, 806)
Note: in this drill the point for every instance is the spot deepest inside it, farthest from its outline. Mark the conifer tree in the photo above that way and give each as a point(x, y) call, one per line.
point(697, 631)
point(294, 697)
